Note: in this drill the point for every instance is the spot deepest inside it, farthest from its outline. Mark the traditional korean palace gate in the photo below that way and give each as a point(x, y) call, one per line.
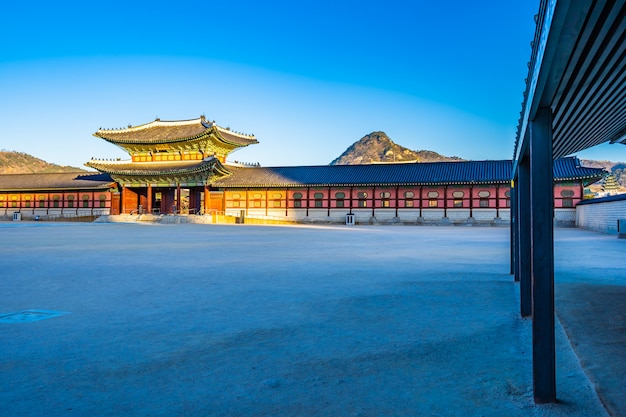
point(575, 98)
point(172, 164)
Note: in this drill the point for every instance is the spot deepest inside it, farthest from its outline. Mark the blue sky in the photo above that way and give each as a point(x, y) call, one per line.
point(308, 78)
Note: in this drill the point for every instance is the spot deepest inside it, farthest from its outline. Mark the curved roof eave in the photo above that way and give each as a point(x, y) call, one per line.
point(151, 142)
point(248, 139)
point(209, 164)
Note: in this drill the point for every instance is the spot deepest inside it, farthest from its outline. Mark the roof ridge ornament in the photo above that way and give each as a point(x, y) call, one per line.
point(234, 133)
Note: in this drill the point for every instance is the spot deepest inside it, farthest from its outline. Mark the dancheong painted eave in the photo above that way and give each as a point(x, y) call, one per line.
point(162, 132)
point(434, 173)
point(157, 168)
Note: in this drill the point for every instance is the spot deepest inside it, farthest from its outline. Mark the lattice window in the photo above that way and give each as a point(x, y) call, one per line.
point(385, 196)
point(340, 199)
point(297, 200)
point(362, 196)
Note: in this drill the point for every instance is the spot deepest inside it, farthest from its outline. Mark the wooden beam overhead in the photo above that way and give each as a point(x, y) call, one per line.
point(578, 70)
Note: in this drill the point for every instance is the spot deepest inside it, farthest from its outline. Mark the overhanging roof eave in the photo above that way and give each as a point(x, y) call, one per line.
point(562, 22)
point(578, 73)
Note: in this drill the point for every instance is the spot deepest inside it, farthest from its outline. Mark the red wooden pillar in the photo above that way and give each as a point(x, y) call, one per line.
point(149, 199)
point(373, 201)
point(178, 205)
point(329, 193)
point(471, 194)
point(420, 199)
point(206, 199)
point(123, 199)
point(497, 201)
point(397, 199)
point(307, 201)
point(350, 201)
point(445, 201)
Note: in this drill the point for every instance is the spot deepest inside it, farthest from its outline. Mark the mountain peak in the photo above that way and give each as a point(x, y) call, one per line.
point(378, 147)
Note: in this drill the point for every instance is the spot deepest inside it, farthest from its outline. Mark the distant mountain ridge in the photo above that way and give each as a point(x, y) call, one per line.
point(377, 147)
point(12, 162)
point(618, 169)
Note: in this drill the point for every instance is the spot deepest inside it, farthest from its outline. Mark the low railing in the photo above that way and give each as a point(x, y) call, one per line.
point(69, 217)
point(242, 217)
point(157, 211)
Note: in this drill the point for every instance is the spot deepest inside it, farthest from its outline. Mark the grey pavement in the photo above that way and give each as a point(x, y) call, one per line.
point(590, 299)
point(212, 320)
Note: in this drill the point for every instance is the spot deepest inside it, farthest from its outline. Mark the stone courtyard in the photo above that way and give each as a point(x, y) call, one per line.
point(237, 320)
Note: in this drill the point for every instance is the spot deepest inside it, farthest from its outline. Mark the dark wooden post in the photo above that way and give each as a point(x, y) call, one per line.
point(542, 256)
point(514, 249)
point(523, 228)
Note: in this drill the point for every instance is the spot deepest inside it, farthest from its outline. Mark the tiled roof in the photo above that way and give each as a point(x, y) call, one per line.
point(434, 173)
point(374, 174)
point(152, 168)
point(570, 169)
point(58, 181)
point(155, 132)
point(158, 132)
